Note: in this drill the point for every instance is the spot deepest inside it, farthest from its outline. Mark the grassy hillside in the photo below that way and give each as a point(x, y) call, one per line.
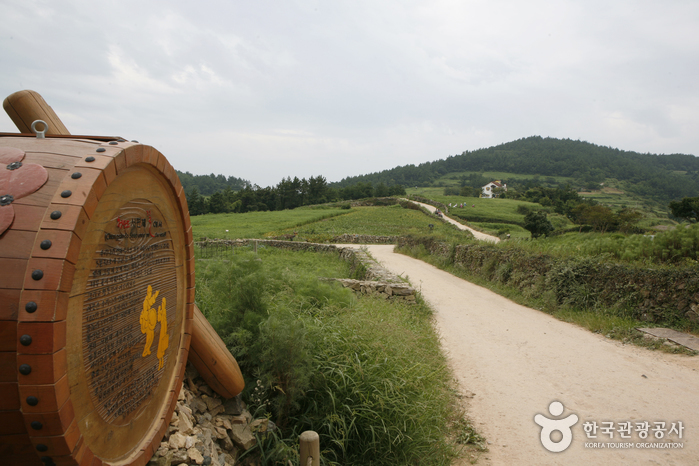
point(580, 164)
point(257, 224)
point(321, 225)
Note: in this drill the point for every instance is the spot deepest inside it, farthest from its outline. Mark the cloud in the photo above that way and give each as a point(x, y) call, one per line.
point(269, 89)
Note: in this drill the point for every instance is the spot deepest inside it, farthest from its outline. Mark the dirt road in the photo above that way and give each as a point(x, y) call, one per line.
point(516, 361)
point(476, 234)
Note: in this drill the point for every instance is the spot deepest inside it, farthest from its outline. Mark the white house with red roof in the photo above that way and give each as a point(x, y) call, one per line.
point(493, 189)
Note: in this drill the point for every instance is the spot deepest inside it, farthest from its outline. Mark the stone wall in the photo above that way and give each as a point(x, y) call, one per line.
point(396, 291)
point(372, 279)
point(660, 295)
point(365, 239)
point(208, 430)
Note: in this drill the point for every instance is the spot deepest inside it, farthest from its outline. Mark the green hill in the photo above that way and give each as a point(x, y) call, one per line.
point(583, 165)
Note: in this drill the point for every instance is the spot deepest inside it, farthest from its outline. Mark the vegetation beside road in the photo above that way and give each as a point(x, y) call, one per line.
point(365, 373)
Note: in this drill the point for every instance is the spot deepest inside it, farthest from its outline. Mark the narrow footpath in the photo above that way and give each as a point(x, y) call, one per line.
point(476, 234)
point(512, 362)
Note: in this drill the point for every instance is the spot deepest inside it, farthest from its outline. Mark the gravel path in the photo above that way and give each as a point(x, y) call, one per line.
point(512, 362)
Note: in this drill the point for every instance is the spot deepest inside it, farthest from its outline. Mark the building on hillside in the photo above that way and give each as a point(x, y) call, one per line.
point(493, 189)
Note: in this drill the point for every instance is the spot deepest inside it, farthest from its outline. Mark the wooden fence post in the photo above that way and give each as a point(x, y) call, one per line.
point(309, 443)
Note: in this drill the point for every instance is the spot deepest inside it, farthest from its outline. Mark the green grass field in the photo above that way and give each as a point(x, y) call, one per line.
point(321, 225)
point(256, 224)
point(381, 221)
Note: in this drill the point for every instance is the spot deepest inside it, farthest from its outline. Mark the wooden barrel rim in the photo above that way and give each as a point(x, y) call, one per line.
point(45, 389)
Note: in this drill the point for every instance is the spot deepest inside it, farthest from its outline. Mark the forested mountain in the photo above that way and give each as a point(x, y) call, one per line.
point(209, 184)
point(662, 177)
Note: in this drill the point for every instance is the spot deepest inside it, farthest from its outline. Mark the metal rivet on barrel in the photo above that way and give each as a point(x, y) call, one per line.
point(26, 340)
point(56, 214)
point(42, 447)
point(76, 175)
point(133, 140)
point(38, 274)
point(66, 193)
point(14, 165)
point(32, 401)
point(6, 199)
point(46, 459)
point(31, 307)
point(25, 369)
point(113, 143)
point(121, 140)
point(89, 159)
point(36, 425)
point(100, 149)
point(45, 244)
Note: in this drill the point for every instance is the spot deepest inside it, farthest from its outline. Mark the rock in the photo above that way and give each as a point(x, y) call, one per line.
point(190, 441)
point(167, 459)
point(234, 406)
point(227, 443)
point(175, 419)
point(218, 410)
point(242, 436)
point(220, 432)
point(206, 389)
point(198, 405)
point(692, 315)
point(180, 456)
point(162, 449)
point(226, 459)
point(403, 291)
point(223, 421)
point(261, 426)
point(195, 455)
point(186, 423)
point(177, 441)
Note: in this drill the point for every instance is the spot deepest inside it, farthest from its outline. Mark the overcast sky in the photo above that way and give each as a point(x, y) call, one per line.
point(267, 89)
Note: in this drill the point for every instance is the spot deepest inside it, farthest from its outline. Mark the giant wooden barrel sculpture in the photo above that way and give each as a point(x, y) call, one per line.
point(96, 300)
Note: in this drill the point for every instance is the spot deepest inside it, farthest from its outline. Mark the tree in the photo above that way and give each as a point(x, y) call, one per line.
point(381, 190)
point(537, 224)
point(195, 201)
point(627, 219)
point(687, 208)
point(601, 218)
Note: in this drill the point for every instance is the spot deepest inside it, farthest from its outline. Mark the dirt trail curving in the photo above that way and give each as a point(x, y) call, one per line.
point(512, 362)
point(476, 234)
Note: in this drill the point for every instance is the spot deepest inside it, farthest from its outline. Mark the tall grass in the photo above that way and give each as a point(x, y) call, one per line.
point(365, 373)
point(680, 245)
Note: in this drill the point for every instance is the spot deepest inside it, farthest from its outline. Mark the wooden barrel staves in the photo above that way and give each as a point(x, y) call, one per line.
point(96, 300)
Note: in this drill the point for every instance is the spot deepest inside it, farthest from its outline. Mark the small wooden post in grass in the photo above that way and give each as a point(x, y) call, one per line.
point(309, 444)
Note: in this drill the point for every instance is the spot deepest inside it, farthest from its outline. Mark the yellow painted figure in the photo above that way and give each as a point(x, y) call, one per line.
point(164, 337)
point(149, 319)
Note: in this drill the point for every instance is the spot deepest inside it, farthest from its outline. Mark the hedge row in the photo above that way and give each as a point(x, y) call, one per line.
point(663, 295)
